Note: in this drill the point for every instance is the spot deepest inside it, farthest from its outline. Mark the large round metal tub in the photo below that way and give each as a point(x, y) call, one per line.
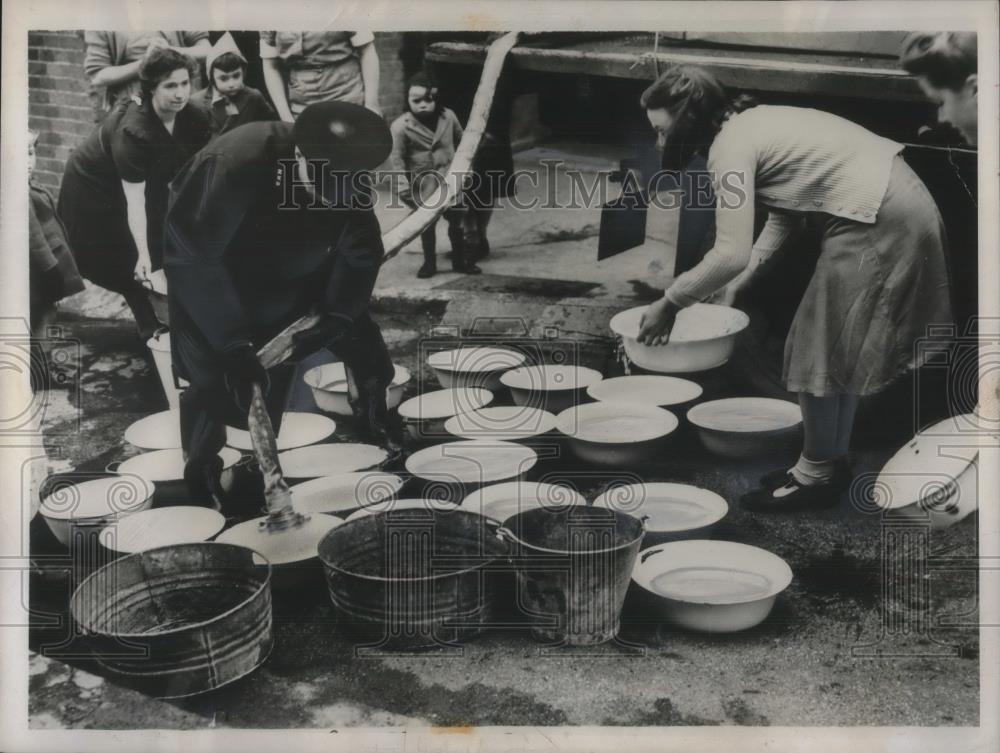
point(178, 620)
point(413, 578)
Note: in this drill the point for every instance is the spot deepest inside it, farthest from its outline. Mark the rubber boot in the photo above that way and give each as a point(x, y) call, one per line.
point(428, 239)
point(204, 483)
point(371, 414)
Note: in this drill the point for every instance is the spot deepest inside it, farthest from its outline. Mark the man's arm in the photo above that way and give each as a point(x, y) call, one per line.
point(274, 76)
point(198, 45)
point(357, 258)
point(370, 75)
point(99, 66)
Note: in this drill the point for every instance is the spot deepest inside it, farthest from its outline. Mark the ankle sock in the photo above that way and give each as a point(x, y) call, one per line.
point(813, 472)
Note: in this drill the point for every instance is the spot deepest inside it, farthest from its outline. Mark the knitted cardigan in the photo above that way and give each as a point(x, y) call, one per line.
point(793, 160)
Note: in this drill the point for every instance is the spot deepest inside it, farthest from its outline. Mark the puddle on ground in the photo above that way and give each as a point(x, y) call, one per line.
point(841, 574)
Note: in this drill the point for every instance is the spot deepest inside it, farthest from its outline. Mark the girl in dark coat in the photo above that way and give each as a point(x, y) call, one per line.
point(114, 190)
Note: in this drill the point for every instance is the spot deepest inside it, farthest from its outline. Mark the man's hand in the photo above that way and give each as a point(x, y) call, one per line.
point(329, 329)
point(657, 322)
point(241, 370)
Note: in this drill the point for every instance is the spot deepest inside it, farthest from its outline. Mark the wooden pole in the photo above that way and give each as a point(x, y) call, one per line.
point(280, 348)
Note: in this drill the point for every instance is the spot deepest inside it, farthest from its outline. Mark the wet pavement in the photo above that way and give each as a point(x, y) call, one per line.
point(838, 649)
point(833, 652)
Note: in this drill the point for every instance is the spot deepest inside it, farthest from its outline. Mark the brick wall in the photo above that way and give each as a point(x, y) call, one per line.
point(63, 107)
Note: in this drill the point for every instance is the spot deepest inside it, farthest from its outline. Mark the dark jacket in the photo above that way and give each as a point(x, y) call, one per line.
point(52, 270)
point(247, 250)
point(130, 144)
point(251, 106)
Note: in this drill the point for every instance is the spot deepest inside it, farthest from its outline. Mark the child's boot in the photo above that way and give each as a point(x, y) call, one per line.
point(429, 242)
point(459, 260)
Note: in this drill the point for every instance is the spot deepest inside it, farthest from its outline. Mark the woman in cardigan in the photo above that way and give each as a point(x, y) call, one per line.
point(113, 196)
point(880, 280)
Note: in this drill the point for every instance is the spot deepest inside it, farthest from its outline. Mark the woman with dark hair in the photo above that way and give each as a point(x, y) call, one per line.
point(113, 196)
point(945, 64)
point(880, 280)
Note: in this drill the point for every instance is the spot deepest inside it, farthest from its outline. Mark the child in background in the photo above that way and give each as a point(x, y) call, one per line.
point(227, 99)
point(52, 272)
point(423, 145)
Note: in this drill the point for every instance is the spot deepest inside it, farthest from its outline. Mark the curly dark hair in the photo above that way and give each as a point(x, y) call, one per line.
point(157, 65)
point(945, 58)
point(699, 105)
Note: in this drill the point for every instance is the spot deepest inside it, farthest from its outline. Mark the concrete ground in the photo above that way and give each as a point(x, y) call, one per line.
point(835, 650)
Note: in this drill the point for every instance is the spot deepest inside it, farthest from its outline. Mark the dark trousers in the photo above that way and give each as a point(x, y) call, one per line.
point(428, 239)
point(207, 407)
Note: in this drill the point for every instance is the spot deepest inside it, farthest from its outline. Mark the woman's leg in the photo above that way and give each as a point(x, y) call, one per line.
point(820, 424)
point(845, 424)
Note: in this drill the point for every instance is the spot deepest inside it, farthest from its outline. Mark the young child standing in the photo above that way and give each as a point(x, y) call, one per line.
point(227, 98)
point(423, 145)
point(52, 272)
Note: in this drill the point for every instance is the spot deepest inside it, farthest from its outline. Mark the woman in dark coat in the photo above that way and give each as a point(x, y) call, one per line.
point(114, 191)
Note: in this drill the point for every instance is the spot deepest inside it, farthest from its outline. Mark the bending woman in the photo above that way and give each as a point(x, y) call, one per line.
point(113, 196)
point(880, 280)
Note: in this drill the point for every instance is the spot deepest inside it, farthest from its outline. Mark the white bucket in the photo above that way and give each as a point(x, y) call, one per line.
point(160, 346)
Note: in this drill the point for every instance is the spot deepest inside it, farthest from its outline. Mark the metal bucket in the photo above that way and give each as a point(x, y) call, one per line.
point(178, 620)
point(573, 569)
point(413, 578)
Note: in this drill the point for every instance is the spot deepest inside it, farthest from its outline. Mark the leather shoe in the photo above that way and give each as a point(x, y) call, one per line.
point(777, 477)
point(466, 267)
point(792, 496)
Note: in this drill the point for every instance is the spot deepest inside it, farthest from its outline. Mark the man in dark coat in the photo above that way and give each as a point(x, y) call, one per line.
point(267, 223)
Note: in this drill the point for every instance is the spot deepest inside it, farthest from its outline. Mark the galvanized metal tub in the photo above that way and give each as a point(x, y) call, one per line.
point(178, 620)
point(413, 578)
point(573, 570)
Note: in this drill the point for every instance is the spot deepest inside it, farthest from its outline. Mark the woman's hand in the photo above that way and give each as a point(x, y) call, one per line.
point(143, 268)
point(657, 322)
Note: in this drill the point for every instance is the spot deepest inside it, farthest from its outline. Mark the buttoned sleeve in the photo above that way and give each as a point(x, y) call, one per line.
point(732, 164)
point(397, 157)
point(456, 127)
